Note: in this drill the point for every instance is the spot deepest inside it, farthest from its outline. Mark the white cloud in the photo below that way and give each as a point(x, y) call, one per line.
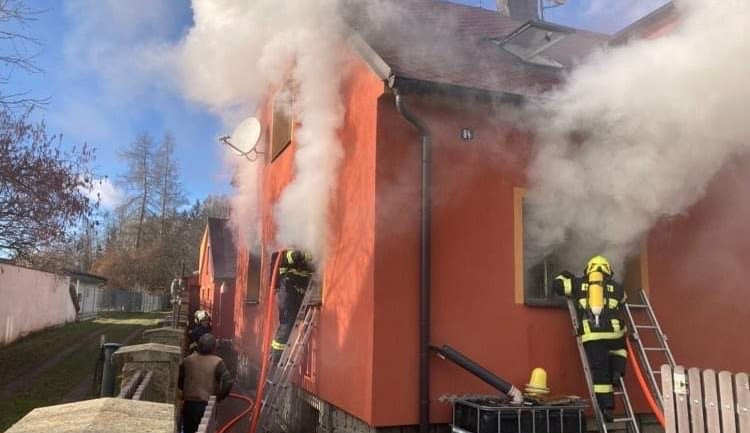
point(126, 45)
point(106, 192)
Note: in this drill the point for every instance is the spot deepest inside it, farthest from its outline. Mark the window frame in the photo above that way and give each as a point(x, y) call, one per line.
point(253, 279)
point(279, 143)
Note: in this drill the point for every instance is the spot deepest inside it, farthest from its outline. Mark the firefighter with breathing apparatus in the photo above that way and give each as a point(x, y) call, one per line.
point(295, 271)
point(598, 299)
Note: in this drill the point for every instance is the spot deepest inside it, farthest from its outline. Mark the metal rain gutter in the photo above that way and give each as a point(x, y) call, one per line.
point(425, 259)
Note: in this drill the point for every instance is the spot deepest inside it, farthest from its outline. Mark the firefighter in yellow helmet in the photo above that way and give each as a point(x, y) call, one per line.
point(598, 299)
point(295, 271)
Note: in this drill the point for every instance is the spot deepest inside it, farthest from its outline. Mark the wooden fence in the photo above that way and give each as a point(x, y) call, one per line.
point(698, 401)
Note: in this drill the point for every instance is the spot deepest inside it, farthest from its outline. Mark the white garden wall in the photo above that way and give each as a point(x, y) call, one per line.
point(31, 301)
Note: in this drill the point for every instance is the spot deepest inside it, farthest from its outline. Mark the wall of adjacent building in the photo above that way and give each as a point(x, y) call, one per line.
point(31, 301)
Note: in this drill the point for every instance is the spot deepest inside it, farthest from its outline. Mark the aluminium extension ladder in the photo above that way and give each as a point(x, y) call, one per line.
point(655, 344)
point(629, 421)
point(279, 381)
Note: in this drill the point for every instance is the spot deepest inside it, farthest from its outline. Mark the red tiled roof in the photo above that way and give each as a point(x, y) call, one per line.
point(447, 43)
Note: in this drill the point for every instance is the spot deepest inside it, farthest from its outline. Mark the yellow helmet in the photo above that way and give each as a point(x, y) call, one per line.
point(598, 263)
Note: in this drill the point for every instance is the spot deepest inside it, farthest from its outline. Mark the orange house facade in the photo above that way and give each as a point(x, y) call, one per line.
point(363, 359)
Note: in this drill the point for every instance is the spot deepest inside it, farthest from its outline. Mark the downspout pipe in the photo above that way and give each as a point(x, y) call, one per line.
point(425, 140)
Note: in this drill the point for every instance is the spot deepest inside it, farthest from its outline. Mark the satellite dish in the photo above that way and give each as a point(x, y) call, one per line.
point(246, 135)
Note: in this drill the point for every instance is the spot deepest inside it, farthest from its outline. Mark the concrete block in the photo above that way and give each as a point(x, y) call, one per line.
point(100, 415)
point(163, 360)
point(167, 335)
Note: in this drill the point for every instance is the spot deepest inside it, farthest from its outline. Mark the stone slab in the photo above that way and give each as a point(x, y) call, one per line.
point(166, 335)
point(103, 415)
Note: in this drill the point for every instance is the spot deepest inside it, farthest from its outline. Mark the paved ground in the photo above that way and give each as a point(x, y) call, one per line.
point(57, 365)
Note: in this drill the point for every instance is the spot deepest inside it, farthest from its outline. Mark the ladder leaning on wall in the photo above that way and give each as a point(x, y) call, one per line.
point(280, 379)
point(629, 421)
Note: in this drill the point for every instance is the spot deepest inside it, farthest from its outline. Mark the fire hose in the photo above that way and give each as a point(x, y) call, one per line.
point(644, 387)
point(233, 421)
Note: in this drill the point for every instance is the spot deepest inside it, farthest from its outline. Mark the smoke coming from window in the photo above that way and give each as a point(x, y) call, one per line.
point(238, 50)
point(638, 132)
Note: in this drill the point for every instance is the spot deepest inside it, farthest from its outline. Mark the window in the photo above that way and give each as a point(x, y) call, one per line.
point(252, 294)
point(538, 284)
point(533, 280)
point(282, 123)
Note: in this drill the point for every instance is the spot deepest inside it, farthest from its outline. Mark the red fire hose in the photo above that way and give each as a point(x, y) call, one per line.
point(267, 331)
point(233, 421)
point(644, 387)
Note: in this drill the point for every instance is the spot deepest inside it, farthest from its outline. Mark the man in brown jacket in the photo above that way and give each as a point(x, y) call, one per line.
point(202, 374)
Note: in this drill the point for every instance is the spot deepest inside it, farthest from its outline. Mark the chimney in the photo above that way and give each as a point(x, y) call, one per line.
point(523, 10)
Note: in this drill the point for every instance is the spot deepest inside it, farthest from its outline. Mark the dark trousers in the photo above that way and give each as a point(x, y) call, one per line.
point(607, 361)
point(192, 412)
point(288, 300)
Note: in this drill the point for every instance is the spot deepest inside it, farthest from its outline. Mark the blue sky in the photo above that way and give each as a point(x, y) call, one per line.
point(100, 60)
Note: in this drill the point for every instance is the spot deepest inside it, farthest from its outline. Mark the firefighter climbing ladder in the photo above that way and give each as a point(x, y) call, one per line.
point(281, 375)
point(657, 344)
point(628, 420)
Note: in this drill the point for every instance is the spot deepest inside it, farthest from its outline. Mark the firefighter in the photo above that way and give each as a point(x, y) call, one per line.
point(598, 299)
point(202, 326)
point(295, 270)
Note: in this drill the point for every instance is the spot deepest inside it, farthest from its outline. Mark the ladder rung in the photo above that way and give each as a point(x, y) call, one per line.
point(637, 306)
point(618, 393)
point(655, 349)
point(646, 327)
point(622, 419)
point(655, 371)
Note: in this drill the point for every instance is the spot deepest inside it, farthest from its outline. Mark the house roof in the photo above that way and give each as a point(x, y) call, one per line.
point(223, 253)
point(83, 276)
point(444, 43)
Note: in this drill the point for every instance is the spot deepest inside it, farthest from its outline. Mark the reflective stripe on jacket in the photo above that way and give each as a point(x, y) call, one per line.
point(610, 325)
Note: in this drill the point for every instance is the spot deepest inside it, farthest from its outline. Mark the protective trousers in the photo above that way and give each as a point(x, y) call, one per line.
point(288, 300)
point(607, 361)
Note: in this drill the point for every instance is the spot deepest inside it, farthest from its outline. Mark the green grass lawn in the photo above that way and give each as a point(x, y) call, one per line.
point(51, 385)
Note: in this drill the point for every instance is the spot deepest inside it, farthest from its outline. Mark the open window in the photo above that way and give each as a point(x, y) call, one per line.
point(534, 280)
point(252, 294)
point(283, 120)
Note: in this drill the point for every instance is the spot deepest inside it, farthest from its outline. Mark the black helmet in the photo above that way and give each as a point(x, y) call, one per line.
point(206, 344)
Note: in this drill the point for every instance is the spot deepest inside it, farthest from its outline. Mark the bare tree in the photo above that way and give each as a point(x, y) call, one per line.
point(18, 50)
point(168, 189)
point(138, 181)
point(43, 188)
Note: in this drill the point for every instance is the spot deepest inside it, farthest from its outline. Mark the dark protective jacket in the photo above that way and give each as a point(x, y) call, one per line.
point(295, 271)
point(204, 375)
point(197, 332)
point(611, 325)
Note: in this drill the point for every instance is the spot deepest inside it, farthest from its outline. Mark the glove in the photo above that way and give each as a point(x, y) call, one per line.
point(567, 274)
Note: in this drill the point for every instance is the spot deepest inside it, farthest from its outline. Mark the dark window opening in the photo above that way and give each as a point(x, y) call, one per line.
point(538, 280)
point(253, 279)
point(282, 123)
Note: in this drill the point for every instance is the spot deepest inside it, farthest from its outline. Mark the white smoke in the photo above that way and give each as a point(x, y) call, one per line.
point(637, 133)
point(238, 50)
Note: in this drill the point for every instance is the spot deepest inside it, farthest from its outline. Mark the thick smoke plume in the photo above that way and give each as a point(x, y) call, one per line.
point(234, 53)
point(638, 132)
